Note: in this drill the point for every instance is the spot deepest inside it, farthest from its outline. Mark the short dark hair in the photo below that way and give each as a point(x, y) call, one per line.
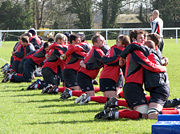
point(82, 36)
point(124, 39)
point(25, 39)
point(94, 38)
point(73, 37)
point(51, 39)
point(134, 33)
point(155, 37)
point(150, 44)
point(46, 44)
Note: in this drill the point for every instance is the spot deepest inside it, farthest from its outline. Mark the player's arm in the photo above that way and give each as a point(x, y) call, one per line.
point(98, 63)
point(35, 44)
point(146, 63)
point(130, 48)
point(20, 52)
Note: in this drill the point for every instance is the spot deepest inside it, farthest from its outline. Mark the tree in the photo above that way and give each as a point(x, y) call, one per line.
point(110, 10)
point(14, 16)
point(169, 11)
point(83, 9)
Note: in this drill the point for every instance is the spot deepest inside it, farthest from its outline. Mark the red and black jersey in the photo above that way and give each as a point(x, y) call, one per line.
point(135, 62)
point(36, 41)
point(93, 58)
point(16, 46)
point(22, 51)
point(111, 68)
point(75, 54)
point(86, 46)
point(39, 56)
point(54, 57)
point(75, 48)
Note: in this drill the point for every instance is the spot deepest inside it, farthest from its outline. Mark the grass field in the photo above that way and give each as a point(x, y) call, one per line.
point(30, 112)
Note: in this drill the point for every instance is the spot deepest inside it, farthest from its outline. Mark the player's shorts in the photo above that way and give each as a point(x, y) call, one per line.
point(159, 94)
point(49, 76)
point(134, 94)
point(70, 77)
point(107, 85)
point(85, 82)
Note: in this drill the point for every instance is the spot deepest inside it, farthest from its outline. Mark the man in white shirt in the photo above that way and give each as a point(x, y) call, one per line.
point(157, 27)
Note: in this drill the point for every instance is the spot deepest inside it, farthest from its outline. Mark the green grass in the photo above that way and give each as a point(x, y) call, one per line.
point(29, 112)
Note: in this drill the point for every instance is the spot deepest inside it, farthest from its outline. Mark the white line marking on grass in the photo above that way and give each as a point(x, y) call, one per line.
point(3, 60)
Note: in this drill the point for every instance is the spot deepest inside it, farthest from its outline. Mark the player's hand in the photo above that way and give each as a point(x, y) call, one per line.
point(164, 68)
point(164, 61)
point(46, 55)
point(82, 64)
point(122, 61)
point(63, 57)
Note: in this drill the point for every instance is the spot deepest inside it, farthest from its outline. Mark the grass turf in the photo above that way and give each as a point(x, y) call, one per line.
point(30, 112)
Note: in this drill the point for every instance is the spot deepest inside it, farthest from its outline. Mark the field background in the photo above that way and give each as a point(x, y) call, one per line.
point(30, 112)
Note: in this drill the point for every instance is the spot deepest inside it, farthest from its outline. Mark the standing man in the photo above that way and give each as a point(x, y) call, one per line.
point(157, 27)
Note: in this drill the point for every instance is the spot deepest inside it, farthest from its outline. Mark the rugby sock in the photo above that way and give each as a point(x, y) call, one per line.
point(169, 112)
point(121, 94)
point(100, 99)
point(19, 74)
point(61, 89)
point(169, 109)
point(96, 89)
point(147, 97)
point(77, 93)
point(126, 113)
point(122, 103)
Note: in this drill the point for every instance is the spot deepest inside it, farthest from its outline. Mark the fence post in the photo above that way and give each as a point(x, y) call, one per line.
point(106, 37)
point(0, 38)
point(176, 36)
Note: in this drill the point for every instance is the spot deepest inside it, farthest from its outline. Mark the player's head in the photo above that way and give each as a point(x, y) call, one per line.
point(150, 44)
point(123, 40)
point(67, 35)
point(51, 39)
point(82, 36)
point(137, 36)
point(25, 40)
point(25, 34)
point(155, 14)
point(60, 38)
point(133, 35)
point(46, 46)
point(141, 36)
point(32, 31)
point(74, 39)
point(98, 40)
point(155, 38)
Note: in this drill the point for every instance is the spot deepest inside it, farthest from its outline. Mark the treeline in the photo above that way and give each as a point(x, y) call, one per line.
point(58, 14)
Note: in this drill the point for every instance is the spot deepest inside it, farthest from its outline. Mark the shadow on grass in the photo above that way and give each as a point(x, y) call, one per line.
point(66, 105)
point(71, 112)
point(76, 121)
point(73, 122)
point(11, 90)
point(35, 101)
point(25, 95)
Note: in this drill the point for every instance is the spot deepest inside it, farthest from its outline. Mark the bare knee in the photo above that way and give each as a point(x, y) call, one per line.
point(153, 110)
point(110, 94)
